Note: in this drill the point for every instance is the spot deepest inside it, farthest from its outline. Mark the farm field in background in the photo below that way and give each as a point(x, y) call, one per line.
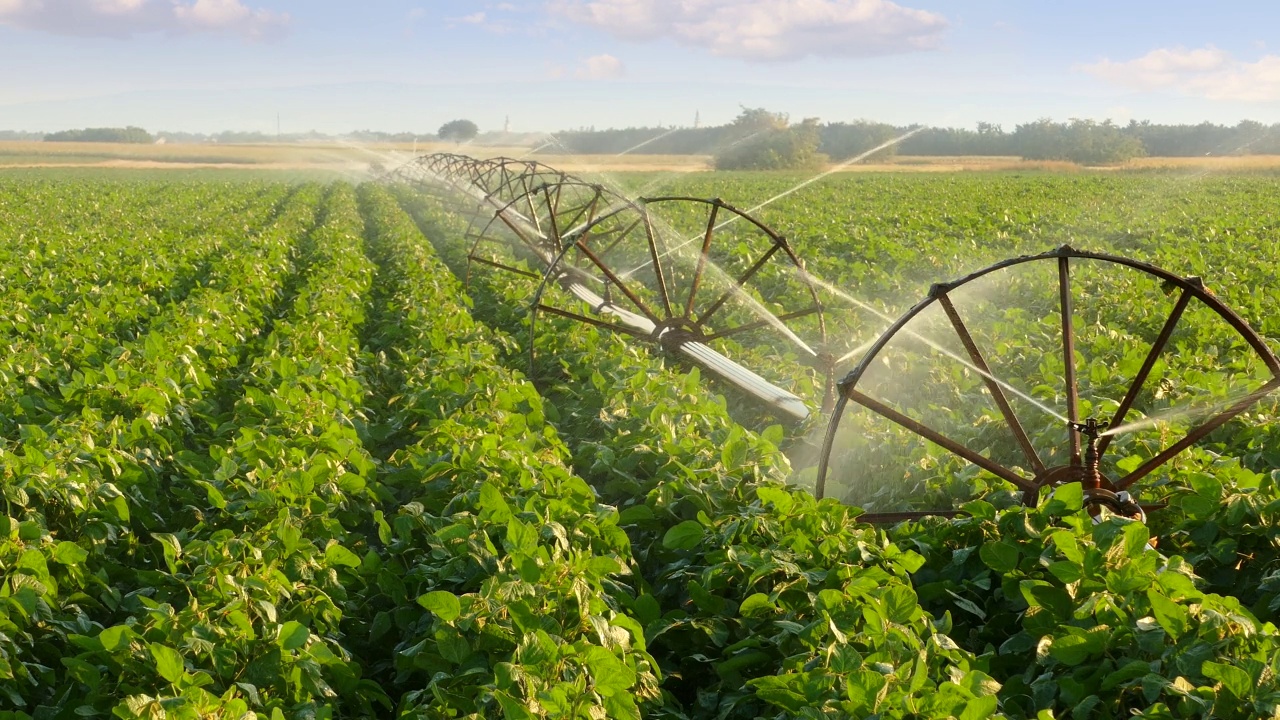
point(355, 159)
point(265, 454)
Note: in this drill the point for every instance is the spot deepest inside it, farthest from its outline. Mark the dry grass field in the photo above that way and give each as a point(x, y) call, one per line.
point(353, 159)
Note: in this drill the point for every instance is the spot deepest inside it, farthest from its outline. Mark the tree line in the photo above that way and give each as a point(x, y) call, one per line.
point(129, 134)
point(766, 140)
point(760, 139)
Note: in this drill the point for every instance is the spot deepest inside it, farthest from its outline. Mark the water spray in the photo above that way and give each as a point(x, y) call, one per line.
point(1087, 439)
point(584, 239)
point(578, 236)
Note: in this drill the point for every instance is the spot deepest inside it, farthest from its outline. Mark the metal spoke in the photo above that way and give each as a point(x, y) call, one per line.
point(937, 438)
point(1069, 355)
point(1140, 379)
point(742, 281)
point(651, 240)
point(702, 259)
point(508, 268)
point(1197, 434)
point(623, 234)
point(997, 392)
point(613, 278)
point(762, 323)
point(589, 320)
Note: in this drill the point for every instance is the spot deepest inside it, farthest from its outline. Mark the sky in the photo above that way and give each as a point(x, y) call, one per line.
point(411, 65)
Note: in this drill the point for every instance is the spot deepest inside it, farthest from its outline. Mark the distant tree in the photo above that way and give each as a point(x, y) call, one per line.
point(762, 140)
point(458, 130)
point(846, 140)
point(757, 120)
point(103, 135)
point(19, 135)
point(1083, 141)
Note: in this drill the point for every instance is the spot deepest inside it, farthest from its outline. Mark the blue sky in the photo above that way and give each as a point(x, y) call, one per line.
point(208, 65)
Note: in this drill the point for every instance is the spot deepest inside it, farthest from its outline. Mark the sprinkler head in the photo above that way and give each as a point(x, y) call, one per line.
point(1093, 430)
point(1090, 428)
point(1098, 492)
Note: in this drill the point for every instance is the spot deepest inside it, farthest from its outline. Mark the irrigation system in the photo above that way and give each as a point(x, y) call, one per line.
point(626, 270)
point(703, 289)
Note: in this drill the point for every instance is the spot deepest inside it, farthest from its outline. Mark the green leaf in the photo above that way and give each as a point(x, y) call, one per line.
point(968, 605)
point(493, 507)
point(1066, 500)
point(69, 553)
point(168, 662)
point(30, 530)
point(621, 706)
point(452, 645)
point(757, 605)
point(1136, 537)
point(115, 637)
point(1233, 679)
point(120, 507)
point(775, 496)
point(863, 688)
point(293, 635)
point(1038, 593)
point(1067, 545)
point(84, 672)
point(521, 537)
point(999, 556)
point(684, 536)
point(901, 604)
point(172, 549)
point(1066, 571)
point(335, 555)
point(646, 609)
point(443, 604)
point(635, 514)
point(1132, 670)
point(608, 674)
point(512, 709)
point(1174, 618)
point(786, 690)
point(1075, 649)
point(601, 566)
point(980, 708)
point(384, 529)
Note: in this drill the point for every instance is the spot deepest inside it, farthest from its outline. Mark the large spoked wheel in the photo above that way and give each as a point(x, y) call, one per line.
point(694, 276)
point(526, 231)
point(1156, 373)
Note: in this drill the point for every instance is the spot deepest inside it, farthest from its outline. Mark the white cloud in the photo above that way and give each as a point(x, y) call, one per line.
point(1206, 72)
point(601, 67)
point(472, 19)
point(765, 29)
point(125, 18)
point(116, 7)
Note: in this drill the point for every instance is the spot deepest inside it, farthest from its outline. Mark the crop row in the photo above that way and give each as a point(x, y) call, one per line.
point(492, 533)
point(78, 313)
point(756, 599)
point(86, 490)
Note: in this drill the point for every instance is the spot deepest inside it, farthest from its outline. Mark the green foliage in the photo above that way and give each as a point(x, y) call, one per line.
point(129, 134)
point(1083, 141)
point(264, 457)
point(458, 131)
point(761, 140)
point(842, 140)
